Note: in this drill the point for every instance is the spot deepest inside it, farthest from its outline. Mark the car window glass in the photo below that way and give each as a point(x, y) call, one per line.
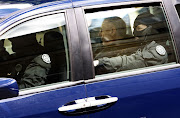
point(38, 24)
point(37, 54)
point(129, 38)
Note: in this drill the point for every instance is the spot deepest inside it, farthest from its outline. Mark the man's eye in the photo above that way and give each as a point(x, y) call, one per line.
point(139, 29)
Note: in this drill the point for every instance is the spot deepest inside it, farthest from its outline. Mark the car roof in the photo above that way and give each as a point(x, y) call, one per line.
point(34, 10)
point(53, 6)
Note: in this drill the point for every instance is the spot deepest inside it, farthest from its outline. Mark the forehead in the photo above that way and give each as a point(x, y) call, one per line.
point(106, 24)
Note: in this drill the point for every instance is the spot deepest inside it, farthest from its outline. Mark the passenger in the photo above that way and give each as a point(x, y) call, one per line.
point(26, 45)
point(148, 55)
point(113, 31)
point(29, 72)
point(37, 71)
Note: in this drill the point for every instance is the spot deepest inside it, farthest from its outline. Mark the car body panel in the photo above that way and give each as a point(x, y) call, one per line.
point(148, 95)
point(44, 104)
point(45, 101)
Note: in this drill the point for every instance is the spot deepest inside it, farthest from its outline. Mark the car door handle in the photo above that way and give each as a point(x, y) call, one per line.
point(87, 104)
point(77, 104)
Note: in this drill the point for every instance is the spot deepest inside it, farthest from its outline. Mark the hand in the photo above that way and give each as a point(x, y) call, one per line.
point(96, 63)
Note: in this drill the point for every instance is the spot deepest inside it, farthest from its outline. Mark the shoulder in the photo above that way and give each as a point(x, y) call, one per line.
point(43, 60)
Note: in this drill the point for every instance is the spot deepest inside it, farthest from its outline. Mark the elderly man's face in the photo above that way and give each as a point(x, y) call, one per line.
point(106, 32)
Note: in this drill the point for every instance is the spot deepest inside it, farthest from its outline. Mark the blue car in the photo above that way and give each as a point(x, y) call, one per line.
point(91, 59)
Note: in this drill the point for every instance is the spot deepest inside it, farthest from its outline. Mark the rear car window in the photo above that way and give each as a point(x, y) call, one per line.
point(124, 39)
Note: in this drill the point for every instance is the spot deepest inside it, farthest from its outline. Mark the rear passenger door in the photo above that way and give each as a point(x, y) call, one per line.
point(42, 54)
point(118, 89)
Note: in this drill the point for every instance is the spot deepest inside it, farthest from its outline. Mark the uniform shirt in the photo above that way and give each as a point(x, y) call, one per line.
point(36, 72)
point(151, 54)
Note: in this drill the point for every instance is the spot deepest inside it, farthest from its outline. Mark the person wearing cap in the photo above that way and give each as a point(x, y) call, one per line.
point(150, 53)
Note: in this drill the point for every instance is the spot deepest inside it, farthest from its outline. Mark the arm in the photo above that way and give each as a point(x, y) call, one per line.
point(124, 62)
point(149, 56)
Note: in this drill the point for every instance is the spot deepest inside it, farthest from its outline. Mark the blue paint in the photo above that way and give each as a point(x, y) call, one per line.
point(151, 95)
point(54, 5)
point(140, 95)
point(8, 88)
point(5, 12)
point(39, 105)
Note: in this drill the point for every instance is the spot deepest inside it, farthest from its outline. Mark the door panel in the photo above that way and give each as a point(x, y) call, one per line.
point(57, 30)
point(149, 95)
point(123, 65)
point(41, 105)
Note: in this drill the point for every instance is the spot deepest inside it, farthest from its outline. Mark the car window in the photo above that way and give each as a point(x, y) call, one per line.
point(35, 52)
point(123, 38)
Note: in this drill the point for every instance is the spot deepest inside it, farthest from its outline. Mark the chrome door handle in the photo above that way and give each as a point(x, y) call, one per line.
point(86, 103)
point(101, 100)
point(78, 104)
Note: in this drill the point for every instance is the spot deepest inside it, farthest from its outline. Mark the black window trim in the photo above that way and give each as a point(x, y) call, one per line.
point(85, 44)
point(121, 4)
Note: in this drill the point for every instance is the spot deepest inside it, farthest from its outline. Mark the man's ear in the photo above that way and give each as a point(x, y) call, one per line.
point(113, 31)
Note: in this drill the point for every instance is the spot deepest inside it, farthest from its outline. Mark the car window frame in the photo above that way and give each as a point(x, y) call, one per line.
point(110, 76)
point(73, 47)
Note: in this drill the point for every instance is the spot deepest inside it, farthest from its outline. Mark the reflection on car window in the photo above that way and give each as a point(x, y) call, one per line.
point(129, 38)
point(36, 58)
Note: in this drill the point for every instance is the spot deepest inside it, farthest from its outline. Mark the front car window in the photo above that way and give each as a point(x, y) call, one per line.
point(129, 38)
point(36, 52)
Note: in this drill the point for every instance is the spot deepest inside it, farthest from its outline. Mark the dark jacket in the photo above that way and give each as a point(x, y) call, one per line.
point(35, 73)
point(148, 56)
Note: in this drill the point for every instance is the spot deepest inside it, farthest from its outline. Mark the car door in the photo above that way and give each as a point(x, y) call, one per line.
point(40, 49)
point(149, 91)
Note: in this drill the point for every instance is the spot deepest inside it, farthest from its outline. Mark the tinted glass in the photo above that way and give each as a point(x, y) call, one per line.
point(129, 38)
point(35, 53)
